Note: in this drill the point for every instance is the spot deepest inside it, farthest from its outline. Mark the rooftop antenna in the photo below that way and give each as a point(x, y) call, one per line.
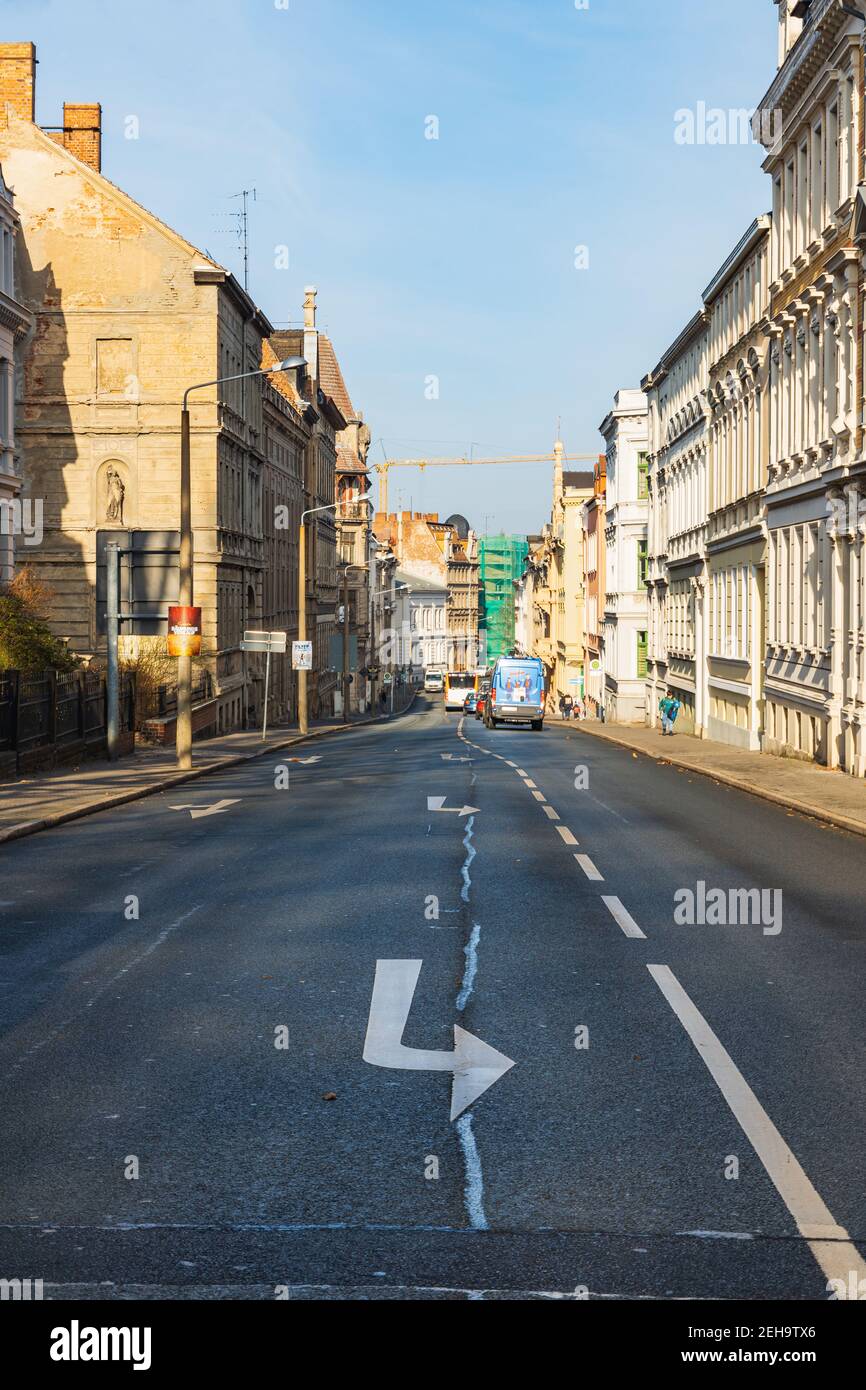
point(241, 229)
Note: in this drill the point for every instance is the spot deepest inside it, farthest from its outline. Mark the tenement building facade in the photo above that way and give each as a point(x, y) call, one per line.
point(737, 393)
point(676, 562)
point(18, 517)
point(815, 685)
point(624, 430)
point(128, 313)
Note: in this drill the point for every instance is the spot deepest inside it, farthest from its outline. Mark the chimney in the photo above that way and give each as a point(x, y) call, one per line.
point(17, 81)
point(82, 132)
point(311, 337)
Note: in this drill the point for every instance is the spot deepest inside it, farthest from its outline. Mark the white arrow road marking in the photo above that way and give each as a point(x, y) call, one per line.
point(476, 1066)
point(197, 812)
point(450, 758)
point(437, 803)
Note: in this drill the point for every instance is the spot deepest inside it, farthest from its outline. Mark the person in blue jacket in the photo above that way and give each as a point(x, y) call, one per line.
point(674, 705)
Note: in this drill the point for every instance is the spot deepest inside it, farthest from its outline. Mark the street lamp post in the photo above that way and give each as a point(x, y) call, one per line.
point(183, 737)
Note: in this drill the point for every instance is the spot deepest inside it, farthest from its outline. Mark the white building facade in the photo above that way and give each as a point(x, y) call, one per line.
point(815, 679)
point(738, 361)
point(626, 437)
point(426, 614)
point(677, 529)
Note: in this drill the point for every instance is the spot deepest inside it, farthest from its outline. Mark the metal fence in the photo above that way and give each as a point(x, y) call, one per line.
point(57, 709)
point(166, 695)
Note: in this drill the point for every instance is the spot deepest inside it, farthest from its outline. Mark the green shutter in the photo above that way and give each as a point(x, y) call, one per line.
point(642, 564)
point(641, 655)
point(642, 471)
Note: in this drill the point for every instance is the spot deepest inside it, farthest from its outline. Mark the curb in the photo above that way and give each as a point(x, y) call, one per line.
point(178, 779)
point(834, 818)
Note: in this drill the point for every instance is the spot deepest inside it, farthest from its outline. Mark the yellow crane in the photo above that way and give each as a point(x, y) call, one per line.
point(384, 468)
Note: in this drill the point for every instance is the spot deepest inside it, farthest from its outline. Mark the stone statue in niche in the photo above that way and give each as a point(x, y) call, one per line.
point(115, 491)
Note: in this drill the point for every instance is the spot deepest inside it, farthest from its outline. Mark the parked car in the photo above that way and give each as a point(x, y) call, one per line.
point(470, 703)
point(481, 702)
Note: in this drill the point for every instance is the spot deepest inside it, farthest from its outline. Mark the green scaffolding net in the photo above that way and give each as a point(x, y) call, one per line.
point(501, 561)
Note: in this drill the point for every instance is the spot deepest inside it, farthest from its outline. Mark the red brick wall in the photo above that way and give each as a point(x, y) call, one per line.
point(18, 80)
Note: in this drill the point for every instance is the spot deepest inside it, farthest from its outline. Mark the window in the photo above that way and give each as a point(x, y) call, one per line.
point(641, 655)
point(4, 402)
point(642, 476)
point(832, 159)
point(642, 563)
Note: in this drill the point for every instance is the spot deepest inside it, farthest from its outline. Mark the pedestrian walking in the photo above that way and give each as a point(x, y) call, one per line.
point(674, 706)
point(664, 703)
point(567, 706)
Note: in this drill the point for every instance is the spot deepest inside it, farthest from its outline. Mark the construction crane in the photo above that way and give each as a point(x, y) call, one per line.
point(384, 468)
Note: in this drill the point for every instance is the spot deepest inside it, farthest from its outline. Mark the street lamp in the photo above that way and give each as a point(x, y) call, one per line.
point(183, 737)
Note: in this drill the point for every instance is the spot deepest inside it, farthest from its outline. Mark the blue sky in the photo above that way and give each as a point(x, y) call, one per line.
point(451, 258)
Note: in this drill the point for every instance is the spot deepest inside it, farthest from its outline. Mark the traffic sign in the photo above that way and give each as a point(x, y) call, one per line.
point(275, 642)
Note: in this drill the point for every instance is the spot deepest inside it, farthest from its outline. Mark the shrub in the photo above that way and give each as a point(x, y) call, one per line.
point(26, 641)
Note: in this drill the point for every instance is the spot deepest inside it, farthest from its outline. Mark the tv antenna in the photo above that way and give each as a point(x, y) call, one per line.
point(241, 228)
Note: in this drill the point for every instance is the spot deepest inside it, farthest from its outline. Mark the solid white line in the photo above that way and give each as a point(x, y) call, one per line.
point(549, 811)
point(470, 951)
point(589, 868)
point(567, 835)
point(474, 1189)
point(623, 918)
point(539, 796)
point(830, 1243)
point(467, 863)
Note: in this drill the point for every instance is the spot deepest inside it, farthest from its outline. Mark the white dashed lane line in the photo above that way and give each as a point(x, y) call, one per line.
point(527, 782)
point(567, 835)
point(623, 918)
point(550, 813)
point(589, 868)
point(539, 796)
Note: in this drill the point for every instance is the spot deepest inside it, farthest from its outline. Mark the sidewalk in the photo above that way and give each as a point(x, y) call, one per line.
point(833, 797)
point(35, 803)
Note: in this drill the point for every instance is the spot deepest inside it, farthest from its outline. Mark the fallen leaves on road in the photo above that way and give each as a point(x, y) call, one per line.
point(330, 1095)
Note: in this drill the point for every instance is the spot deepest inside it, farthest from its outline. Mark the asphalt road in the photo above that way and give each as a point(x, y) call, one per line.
point(184, 1002)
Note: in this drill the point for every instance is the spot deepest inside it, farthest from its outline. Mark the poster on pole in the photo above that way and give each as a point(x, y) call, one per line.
point(302, 656)
point(184, 631)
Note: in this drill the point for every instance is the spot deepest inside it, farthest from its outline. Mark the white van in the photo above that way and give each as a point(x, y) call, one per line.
point(434, 681)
